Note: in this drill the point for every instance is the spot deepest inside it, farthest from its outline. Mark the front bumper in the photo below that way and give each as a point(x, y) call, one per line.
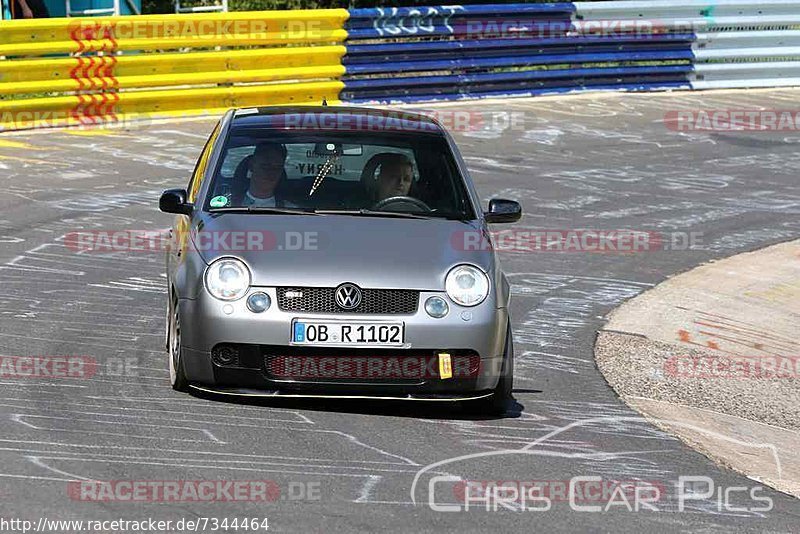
point(277, 394)
point(207, 323)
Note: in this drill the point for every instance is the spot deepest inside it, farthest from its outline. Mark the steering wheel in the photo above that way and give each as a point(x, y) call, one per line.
point(401, 199)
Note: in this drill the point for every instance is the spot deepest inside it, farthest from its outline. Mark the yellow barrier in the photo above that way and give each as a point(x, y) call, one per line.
point(98, 79)
point(152, 70)
point(154, 32)
point(110, 108)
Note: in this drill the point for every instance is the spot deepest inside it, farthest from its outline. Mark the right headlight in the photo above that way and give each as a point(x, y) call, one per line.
point(466, 285)
point(227, 279)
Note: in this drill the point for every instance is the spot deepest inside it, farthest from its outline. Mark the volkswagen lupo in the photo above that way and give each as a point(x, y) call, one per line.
point(337, 252)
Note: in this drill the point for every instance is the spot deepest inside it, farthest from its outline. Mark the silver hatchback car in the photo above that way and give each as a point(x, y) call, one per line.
point(337, 252)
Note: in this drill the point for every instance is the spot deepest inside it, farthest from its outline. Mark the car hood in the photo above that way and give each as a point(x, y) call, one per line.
point(327, 250)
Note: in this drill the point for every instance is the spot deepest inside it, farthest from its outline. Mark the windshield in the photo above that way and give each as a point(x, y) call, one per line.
point(357, 174)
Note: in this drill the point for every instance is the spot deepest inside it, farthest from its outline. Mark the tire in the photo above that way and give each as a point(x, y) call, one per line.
point(177, 376)
point(501, 395)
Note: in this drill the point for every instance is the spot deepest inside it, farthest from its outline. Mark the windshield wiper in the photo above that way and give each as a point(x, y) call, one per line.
point(375, 213)
point(263, 209)
point(288, 211)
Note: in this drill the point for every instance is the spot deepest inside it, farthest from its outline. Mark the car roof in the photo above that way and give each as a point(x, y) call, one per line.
point(335, 118)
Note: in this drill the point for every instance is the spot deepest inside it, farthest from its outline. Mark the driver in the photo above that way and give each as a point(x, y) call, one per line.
point(395, 177)
point(266, 172)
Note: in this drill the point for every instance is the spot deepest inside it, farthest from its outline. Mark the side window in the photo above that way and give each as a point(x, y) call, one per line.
point(233, 157)
point(231, 160)
point(200, 168)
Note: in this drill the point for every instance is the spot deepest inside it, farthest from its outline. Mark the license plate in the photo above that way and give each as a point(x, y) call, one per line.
point(347, 333)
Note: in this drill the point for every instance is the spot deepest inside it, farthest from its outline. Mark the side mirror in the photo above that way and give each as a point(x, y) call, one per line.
point(503, 211)
point(174, 201)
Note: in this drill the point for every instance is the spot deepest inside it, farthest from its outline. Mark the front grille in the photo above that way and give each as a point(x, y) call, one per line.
point(322, 300)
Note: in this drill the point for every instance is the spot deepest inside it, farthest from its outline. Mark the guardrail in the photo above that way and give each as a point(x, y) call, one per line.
point(510, 50)
point(738, 43)
point(109, 69)
point(106, 69)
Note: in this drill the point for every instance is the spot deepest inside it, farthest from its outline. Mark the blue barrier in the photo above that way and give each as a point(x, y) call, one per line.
point(473, 94)
point(513, 61)
point(452, 52)
point(376, 23)
point(353, 51)
point(407, 84)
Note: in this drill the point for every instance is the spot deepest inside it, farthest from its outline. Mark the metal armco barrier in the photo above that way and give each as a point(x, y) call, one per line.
point(107, 69)
point(738, 43)
point(509, 50)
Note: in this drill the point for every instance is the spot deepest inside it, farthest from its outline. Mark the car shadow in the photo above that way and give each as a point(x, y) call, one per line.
point(386, 408)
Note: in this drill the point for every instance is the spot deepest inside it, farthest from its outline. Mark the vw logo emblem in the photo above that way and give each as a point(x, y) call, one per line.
point(348, 296)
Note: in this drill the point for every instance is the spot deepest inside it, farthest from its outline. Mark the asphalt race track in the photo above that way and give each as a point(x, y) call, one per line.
point(590, 162)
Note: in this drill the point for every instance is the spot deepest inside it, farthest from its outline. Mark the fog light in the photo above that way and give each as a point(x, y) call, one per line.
point(224, 355)
point(436, 307)
point(258, 302)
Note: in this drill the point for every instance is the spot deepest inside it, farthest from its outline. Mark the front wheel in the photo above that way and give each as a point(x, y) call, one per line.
point(501, 395)
point(177, 377)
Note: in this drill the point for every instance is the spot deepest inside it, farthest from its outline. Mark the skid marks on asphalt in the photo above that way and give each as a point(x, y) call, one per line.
point(557, 307)
point(57, 297)
point(95, 436)
point(96, 150)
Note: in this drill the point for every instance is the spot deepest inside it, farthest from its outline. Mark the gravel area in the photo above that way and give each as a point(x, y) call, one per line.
point(638, 367)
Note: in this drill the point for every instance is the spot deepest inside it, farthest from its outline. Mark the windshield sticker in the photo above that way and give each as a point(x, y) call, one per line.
point(314, 168)
point(219, 202)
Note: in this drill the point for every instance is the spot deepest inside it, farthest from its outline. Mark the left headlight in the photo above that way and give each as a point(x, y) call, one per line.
point(227, 279)
point(467, 285)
